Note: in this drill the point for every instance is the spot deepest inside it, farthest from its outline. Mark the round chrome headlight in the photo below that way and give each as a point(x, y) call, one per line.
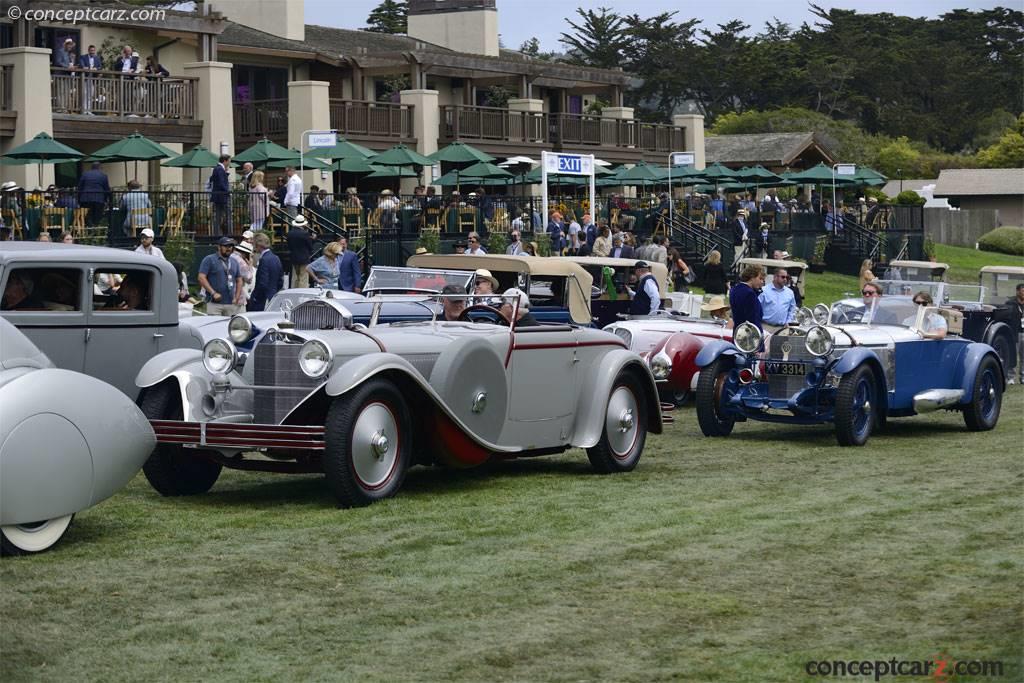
point(747, 337)
point(315, 358)
point(239, 329)
point(219, 356)
point(804, 316)
point(820, 314)
point(819, 341)
point(661, 365)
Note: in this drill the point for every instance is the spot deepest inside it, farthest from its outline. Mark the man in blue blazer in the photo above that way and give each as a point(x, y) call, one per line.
point(220, 196)
point(349, 277)
point(93, 193)
point(91, 60)
point(268, 274)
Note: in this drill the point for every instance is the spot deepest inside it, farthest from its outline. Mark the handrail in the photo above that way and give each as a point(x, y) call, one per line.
point(99, 91)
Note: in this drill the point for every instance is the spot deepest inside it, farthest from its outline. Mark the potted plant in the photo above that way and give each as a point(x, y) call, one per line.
point(817, 264)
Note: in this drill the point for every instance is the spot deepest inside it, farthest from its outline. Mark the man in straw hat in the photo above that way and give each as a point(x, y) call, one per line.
point(300, 249)
point(718, 308)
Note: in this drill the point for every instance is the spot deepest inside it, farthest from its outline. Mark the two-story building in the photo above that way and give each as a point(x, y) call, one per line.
point(244, 69)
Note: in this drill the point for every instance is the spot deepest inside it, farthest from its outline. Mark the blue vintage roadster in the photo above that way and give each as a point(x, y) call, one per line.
point(855, 365)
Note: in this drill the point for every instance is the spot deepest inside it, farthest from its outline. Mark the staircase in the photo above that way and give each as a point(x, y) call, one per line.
point(694, 242)
point(850, 246)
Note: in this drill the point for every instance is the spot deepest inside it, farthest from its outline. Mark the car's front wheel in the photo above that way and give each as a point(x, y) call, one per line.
point(982, 413)
point(369, 443)
point(855, 407)
point(715, 385)
point(624, 430)
point(171, 469)
point(24, 539)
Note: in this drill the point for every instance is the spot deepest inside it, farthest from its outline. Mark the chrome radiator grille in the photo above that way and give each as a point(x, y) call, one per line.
point(317, 315)
point(786, 348)
point(276, 364)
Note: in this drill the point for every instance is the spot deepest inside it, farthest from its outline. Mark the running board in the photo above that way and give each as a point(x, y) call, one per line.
point(934, 399)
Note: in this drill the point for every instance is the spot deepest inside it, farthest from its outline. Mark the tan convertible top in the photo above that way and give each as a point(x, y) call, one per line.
point(658, 270)
point(579, 297)
point(1003, 270)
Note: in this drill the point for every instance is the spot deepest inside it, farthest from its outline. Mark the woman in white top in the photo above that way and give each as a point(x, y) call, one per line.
point(259, 201)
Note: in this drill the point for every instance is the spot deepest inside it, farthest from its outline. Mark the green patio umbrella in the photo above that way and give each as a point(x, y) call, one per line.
point(819, 175)
point(393, 172)
point(716, 172)
point(42, 149)
point(400, 155)
point(264, 151)
point(354, 165)
point(485, 169)
point(868, 176)
point(197, 157)
point(343, 149)
point(135, 148)
point(758, 175)
point(460, 153)
point(308, 163)
point(642, 172)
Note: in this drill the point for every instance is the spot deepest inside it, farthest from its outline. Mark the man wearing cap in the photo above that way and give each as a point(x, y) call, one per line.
point(146, 245)
point(220, 279)
point(647, 298)
point(300, 250)
point(454, 303)
point(872, 214)
point(778, 304)
point(269, 272)
point(460, 247)
point(242, 255)
point(523, 316)
point(62, 58)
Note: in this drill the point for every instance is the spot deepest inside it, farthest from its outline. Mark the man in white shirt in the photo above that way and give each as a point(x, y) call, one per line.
point(293, 192)
point(146, 246)
point(574, 237)
point(475, 248)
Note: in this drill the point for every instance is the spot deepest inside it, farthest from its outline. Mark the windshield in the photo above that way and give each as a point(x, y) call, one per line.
point(941, 292)
point(408, 280)
point(880, 311)
point(1000, 287)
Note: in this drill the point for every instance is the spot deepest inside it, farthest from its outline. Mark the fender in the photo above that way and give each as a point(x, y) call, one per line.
point(162, 366)
point(187, 369)
point(598, 383)
point(713, 349)
point(858, 355)
point(996, 329)
point(362, 368)
point(972, 358)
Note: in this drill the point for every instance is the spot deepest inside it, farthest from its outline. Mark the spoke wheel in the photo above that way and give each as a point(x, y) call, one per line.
point(24, 539)
point(624, 430)
point(369, 444)
point(855, 406)
point(982, 413)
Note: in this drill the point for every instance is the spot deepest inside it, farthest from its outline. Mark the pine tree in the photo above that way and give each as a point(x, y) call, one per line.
point(388, 17)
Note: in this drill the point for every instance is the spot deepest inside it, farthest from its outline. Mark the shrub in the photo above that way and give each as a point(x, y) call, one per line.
point(1004, 240)
point(431, 241)
point(496, 243)
point(179, 248)
point(909, 197)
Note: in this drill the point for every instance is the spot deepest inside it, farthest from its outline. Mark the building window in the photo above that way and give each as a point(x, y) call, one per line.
point(258, 83)
point(53, 39)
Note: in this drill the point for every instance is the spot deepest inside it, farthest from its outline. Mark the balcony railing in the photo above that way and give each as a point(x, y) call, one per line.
point(460, 122)
point(357, 118)
point(258, 119)
point(492, 123)
point(113, 93)
point(6, 79)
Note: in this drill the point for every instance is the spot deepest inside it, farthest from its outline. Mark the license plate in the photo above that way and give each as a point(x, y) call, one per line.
point(780, 368)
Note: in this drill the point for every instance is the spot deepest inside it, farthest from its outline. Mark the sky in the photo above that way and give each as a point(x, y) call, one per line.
point(520, 20)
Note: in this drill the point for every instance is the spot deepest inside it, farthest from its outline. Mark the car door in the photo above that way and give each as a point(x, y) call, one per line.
point(47, 303)
point(123, 332)
point(542, 381)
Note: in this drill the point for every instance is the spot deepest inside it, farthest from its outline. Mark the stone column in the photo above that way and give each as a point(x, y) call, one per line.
point(309, 108)
point(627, 132)
point(536, 129)
point(693, 136)
point(426, 122)
point(213, 108)
point(30, 98)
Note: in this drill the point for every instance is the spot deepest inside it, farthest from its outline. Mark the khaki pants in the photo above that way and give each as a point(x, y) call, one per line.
point(300, 277)
point(222, 309)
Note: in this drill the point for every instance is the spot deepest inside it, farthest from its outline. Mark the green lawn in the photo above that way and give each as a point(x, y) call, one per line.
point(965, 263)
point(716, 560)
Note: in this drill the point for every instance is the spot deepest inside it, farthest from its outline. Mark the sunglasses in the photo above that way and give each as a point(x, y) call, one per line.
point(920, 303)
point(473, 240)
point(869, 292)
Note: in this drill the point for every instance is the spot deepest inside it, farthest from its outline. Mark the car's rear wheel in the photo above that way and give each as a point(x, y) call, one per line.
point(172, 469)
point(1003, 346)
point(982, 413)
point(369, 443)
point(715, 385)
point(24, 539)
point(855, 407)
point(624, 430)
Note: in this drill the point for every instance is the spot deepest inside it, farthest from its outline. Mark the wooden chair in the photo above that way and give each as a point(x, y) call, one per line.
point(78, 222)
point(467, 219)
point(54, 218)
point(13, 223)
point(140, 218)
point(373, 221)
point(432, 220)
point(173, 220)
point(661, 225)
point(613, 217)
point(351, 219)
point(500, 222)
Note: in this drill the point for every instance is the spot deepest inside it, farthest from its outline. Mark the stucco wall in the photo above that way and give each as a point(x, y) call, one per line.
point(470, 31)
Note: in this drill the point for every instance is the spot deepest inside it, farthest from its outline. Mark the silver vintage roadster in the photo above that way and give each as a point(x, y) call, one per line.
point(319, 393)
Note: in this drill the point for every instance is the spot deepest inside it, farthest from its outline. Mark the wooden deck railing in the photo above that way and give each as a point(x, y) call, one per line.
point(75, 91)
point(258, 119)
point(358, 118)
point(492, 123)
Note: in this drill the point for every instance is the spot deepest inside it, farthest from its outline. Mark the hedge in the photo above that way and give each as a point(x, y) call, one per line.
point(1005, 240)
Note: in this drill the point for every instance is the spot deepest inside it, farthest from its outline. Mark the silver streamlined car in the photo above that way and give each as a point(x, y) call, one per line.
point(67, 442)
point(319, 393)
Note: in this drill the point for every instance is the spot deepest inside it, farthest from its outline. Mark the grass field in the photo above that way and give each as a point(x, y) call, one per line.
point(716, 560)
point(965, 263)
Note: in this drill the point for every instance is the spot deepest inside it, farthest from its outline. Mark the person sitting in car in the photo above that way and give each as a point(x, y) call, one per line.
point(18, 295)
point(523, 316)
point(485, 282)
point(718, 307)
point(934, 325)
point(453, 306)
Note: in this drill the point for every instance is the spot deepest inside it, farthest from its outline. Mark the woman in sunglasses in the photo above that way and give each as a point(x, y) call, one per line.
point(934, 325)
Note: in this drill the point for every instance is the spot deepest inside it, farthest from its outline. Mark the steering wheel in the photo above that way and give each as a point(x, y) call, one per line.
point(484, 313)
